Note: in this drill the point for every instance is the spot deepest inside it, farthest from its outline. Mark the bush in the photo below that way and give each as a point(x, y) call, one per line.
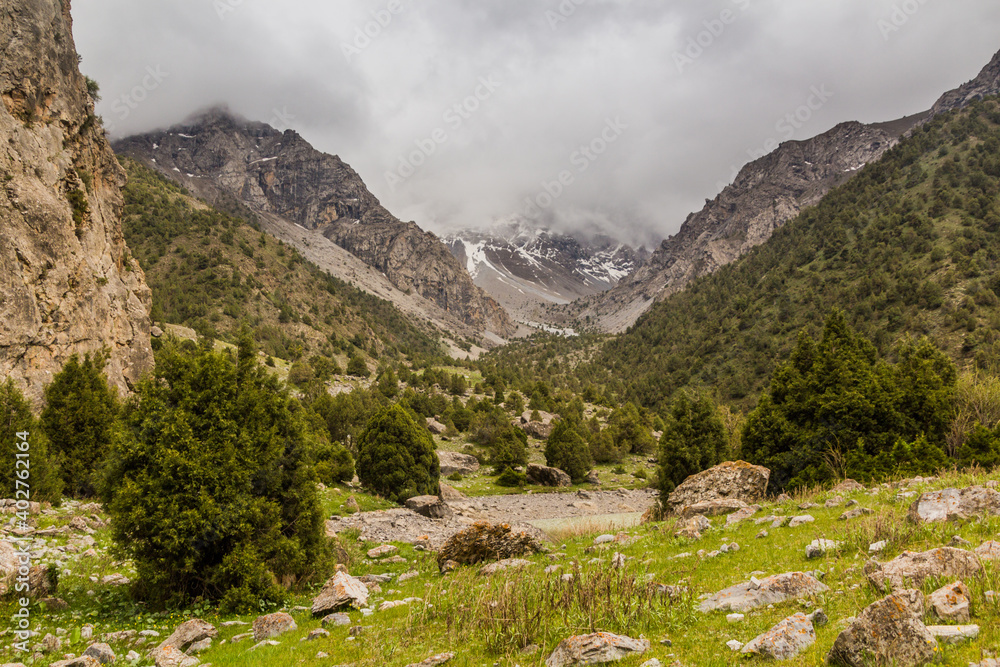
point(388, 384)
point(455, 477)
point(510, 478)
point(491, 428)
point(79, 421)
point(566, 450)
point(358, 367)
point(44, 482)
point(334, 463)
point(210, 484)
point(693, 440)
point(396, 457)
point(630, 431)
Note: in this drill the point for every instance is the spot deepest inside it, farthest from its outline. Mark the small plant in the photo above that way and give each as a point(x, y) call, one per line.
point(510, 478)
point(455, 477)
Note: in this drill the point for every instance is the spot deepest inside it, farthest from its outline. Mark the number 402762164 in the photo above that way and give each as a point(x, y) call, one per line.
point(22, 472)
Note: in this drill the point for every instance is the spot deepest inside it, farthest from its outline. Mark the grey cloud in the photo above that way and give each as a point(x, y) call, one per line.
point(564, 67)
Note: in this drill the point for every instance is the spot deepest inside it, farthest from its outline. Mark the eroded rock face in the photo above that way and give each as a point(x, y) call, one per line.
point(785, 640)
point(281, 174)
point(342, 590)
point(953, 504)
point(730, 481)
point(886, 632)
point(594, 649)
point(910, 568)
point(67, 282)
point(771, 590)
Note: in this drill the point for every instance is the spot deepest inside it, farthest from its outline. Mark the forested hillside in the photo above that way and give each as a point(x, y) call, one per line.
point(211, 271)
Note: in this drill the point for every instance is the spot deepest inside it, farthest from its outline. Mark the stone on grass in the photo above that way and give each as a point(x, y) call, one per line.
point(888, 631)
point(597, 648)
point(770, 590)
point(951, 602)
point(82, 661)
point(503, 565)
point(951, 504)
point(455, 462)
point(911, 568)
point(742, 515)
point(954, 634)
point(604, 539)
point(384, 550)
point(716, 507)
point(341, 590)
point(336, 620)
point(734, 645)
point(433, 661)
point(546, 476)
point(171, 656)
point(785, 640)
point(102, 653)
point(877, 547)
point(855, 513)
point(188, 633)
point(735, 480)
point(484, 542)
point(988, 550)
point(819, 548)
point(273, 625)
point(200, 646)
point(692, 527)
point(848, 486)
point(318, 633)
point(797, 521)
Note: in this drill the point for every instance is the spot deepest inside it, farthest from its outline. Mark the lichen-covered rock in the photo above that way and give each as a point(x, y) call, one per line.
point(546, 476)
point(910, 568)
point(886, 632)
point(988, 550)
point(733, 480)
point(102, 653)
point(485, 542)
point(770, 590)
point(67, 282)
point(952, 504)
point(188, 633)
point(693, 527)
point(951, 602)
point(273, 625)
point(785, 640)
point(594, 649)
point(341, 590)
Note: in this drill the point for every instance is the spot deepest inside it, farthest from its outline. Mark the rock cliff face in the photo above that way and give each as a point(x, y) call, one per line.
point(280, 174)
point(984, 85)
point(67, 282)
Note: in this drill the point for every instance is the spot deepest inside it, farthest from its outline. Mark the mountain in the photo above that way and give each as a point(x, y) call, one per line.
point(320, 205)
point(527, 269)
point(68, 284)
point(765, 195)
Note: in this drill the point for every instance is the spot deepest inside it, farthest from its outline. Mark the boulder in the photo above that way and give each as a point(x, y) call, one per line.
point(911, 568)
point(463, 464)
point(742, 515)
point(435, 427)
point(539, 430)
point(485, 542)
point(848, 486)
point(988, 550)
point(785, 640)
point(716, 507)
point(954, 634)
point(188, 633)
point(803, 519)
point(770, 590)
point(431, 507)
point(171, 656)
point(341, 590)
point(951, 504)
point(819, 548)
point(887, 632)
point(272, 625)
point(102, 653)
point(693, 527)
point(951, 602)
point(733, 480)
point(448, 493)
point(546, 476)
point(336, 620)
point(595, 649)
point(593, 479)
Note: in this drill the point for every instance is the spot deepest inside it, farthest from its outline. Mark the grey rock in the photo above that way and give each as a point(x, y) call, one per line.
point(273, 625)
point(455, 462)
point(912, 568)
point(102, 653)
point(951, 602)
point(188, 633)
point(341, 590)
point(770, 590)
point(785, 640)
point(819, 548)
point(888, 631)
point(431, 507)
point(733, 480)
point(546, 476)
point(595, 649)
point(951, 504)
point(954, 634)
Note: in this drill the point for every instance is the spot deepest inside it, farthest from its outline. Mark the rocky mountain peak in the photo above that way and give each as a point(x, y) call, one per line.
point(67, 282)
point(984, 85)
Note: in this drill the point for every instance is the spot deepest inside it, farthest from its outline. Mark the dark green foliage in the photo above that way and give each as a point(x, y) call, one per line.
point(388, 384)
point(602, 447)
point(510, 478)
point(334, 464)
point(210, 485)
point(43, 481)
point(694, 439)
point(358, 367)
point(491, 428)
point(566, 450)
point(347, 414)
point(835, 409)
point(79, 421)
point(981, 447)
point(630, 431)
point(396, 457)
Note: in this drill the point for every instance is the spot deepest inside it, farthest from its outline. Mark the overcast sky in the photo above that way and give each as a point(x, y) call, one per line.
point(670, 97)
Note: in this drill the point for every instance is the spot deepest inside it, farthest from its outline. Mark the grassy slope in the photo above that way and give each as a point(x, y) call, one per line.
point(210, 271)
point(485, 620)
